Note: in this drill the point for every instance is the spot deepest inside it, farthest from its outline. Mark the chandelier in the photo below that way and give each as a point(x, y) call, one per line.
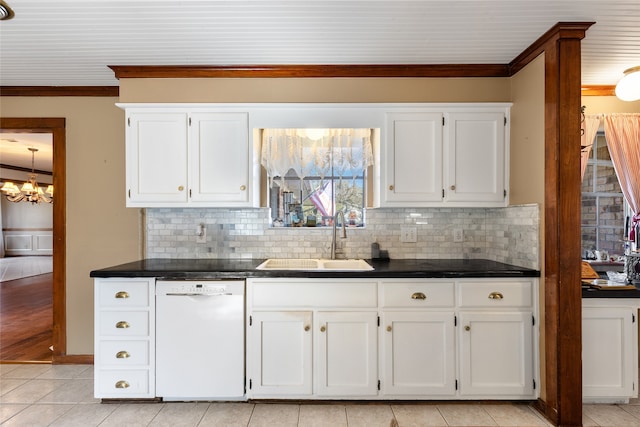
point(30, 191)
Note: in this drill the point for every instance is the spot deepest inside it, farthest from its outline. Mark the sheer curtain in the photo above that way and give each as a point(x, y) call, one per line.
point(590, 127)
point(315, 151)
point(623, 137)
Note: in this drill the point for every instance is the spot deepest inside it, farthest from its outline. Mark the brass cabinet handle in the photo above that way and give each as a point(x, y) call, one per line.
point(496, 295)
point(243, 187)
point(323, 328)
point(467, 328)
point(389, 328)
point(180, 188)
point(122, 384)
point(122, 324)
point(307, 327)
point(453, 188)
point(122, 355)
point(391, 187)
point(418, 295)
point(122, 294)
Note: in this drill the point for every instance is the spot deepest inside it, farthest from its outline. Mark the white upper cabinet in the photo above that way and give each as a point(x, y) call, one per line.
point(156, 158)
point(412, 159)
point(457, 157)
point(219, 148)
point(475, 157)
point(181, 158)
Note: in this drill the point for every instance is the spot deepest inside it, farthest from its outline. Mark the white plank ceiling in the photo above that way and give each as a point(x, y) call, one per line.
point(71, 42)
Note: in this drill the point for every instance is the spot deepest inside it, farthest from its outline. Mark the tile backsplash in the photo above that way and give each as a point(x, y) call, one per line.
point(509, 235)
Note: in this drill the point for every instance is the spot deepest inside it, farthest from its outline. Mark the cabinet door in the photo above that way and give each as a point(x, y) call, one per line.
point(279, 353)
point(475, 158)
point(419, 353)
point(347, 361)
point(609, 340)
point(496, 354)
point(156, 158)
point(412, 159)
point(219, 151)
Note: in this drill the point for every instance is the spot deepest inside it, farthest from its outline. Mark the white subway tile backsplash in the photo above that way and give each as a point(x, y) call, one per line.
point(509, 235)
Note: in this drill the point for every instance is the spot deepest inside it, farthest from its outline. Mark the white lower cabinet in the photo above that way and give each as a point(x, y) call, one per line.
point(347, 357)
point(279, 353)
point(419, 353)
point(609, 350)
point(392, 339)
point(124, 351)
point(496, 355)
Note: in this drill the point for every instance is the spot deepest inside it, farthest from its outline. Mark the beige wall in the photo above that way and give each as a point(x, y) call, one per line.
point(100, 231)
point(609, 104)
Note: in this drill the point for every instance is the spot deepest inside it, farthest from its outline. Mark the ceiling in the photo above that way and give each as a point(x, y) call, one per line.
point(14, 150)
point(71, 42)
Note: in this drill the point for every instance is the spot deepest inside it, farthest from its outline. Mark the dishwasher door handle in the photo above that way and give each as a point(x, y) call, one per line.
point(173, 294)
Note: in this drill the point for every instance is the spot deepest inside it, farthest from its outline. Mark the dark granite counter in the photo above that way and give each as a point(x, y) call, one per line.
point(590, 292)
point(203, 269)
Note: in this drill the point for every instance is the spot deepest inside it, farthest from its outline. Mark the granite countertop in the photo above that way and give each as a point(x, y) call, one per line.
point(203, 269)
point(590, 292)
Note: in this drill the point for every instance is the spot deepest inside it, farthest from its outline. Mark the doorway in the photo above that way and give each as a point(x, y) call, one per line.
point(55, 127)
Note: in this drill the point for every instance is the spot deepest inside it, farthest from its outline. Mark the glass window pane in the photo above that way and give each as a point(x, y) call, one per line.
point(587, 180)
point(589, 210)
point(607, 181)
point(602, 151)
point(588, 239)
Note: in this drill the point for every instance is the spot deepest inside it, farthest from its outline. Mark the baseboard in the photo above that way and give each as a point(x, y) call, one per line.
point(541, 406)
point(76, 359)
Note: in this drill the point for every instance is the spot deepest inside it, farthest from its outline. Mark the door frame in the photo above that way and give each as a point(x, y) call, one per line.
point(56, 127)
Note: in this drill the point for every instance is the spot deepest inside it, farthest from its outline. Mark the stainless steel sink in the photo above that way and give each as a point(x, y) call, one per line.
point(315, 264)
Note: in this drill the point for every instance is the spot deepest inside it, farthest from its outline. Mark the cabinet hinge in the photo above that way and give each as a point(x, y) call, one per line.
point(504, 194)
point(455, 320)
point(505, 120)
point(533, 320)
point(633, 318)
point(250, 320)
point(189, 193)
point(378, 321)
point(456, 384)
point(443, 192)
point(129, 193)
point(129, 121)
point(250, 384)
point(189, 121)
point(443, 121)
point(534, 384)
point(378, 384)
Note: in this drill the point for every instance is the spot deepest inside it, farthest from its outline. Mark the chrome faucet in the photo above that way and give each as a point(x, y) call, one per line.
point(344, 233)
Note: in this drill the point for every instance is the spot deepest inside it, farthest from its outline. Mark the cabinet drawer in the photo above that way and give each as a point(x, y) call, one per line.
point(123, 383)
point(418, 294)
point(124, 324)
point(326, 293)
point(495, 294)
point(123, 353)
point(123, 293)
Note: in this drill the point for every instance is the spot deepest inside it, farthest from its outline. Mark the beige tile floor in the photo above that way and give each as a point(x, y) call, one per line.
point(62, 395)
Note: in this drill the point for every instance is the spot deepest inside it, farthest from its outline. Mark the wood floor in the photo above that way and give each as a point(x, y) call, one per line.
point(26, 319)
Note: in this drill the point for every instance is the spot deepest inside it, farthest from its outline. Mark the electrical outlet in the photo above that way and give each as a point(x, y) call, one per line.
point(458, 235)
point(201, 234)
point(408, 234)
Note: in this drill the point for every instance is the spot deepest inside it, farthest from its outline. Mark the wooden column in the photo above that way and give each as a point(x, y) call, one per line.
point(563, 295)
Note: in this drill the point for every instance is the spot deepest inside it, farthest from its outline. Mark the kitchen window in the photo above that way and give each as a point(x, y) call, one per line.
point(313, 174)
point(603, 204)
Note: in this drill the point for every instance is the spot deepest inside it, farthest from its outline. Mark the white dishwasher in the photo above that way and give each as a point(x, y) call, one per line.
point(200, 340)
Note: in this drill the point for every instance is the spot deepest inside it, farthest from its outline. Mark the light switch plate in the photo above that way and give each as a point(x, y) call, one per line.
point(408, 234)
point(458, 235)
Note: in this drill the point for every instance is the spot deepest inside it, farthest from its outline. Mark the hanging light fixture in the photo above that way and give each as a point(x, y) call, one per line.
point(30, 191)
point(5, 11)
point(628, 88)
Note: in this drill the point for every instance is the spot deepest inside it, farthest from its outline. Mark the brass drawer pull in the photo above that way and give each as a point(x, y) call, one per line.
point(181, 188)
point(418, 295)
point(467, 328)
point(122, 325)
point(496, 295)
point(122, 294)
point(389, 328)
point(323, 328)
point(307, 327)
point(391, 187)
point(122, 355)
point(243, 187)
point(122, 384)
point(453, 188)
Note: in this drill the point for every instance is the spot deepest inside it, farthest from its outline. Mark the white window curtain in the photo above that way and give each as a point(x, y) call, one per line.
point(315, 151)
point(622, 131)
point(590, 128)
